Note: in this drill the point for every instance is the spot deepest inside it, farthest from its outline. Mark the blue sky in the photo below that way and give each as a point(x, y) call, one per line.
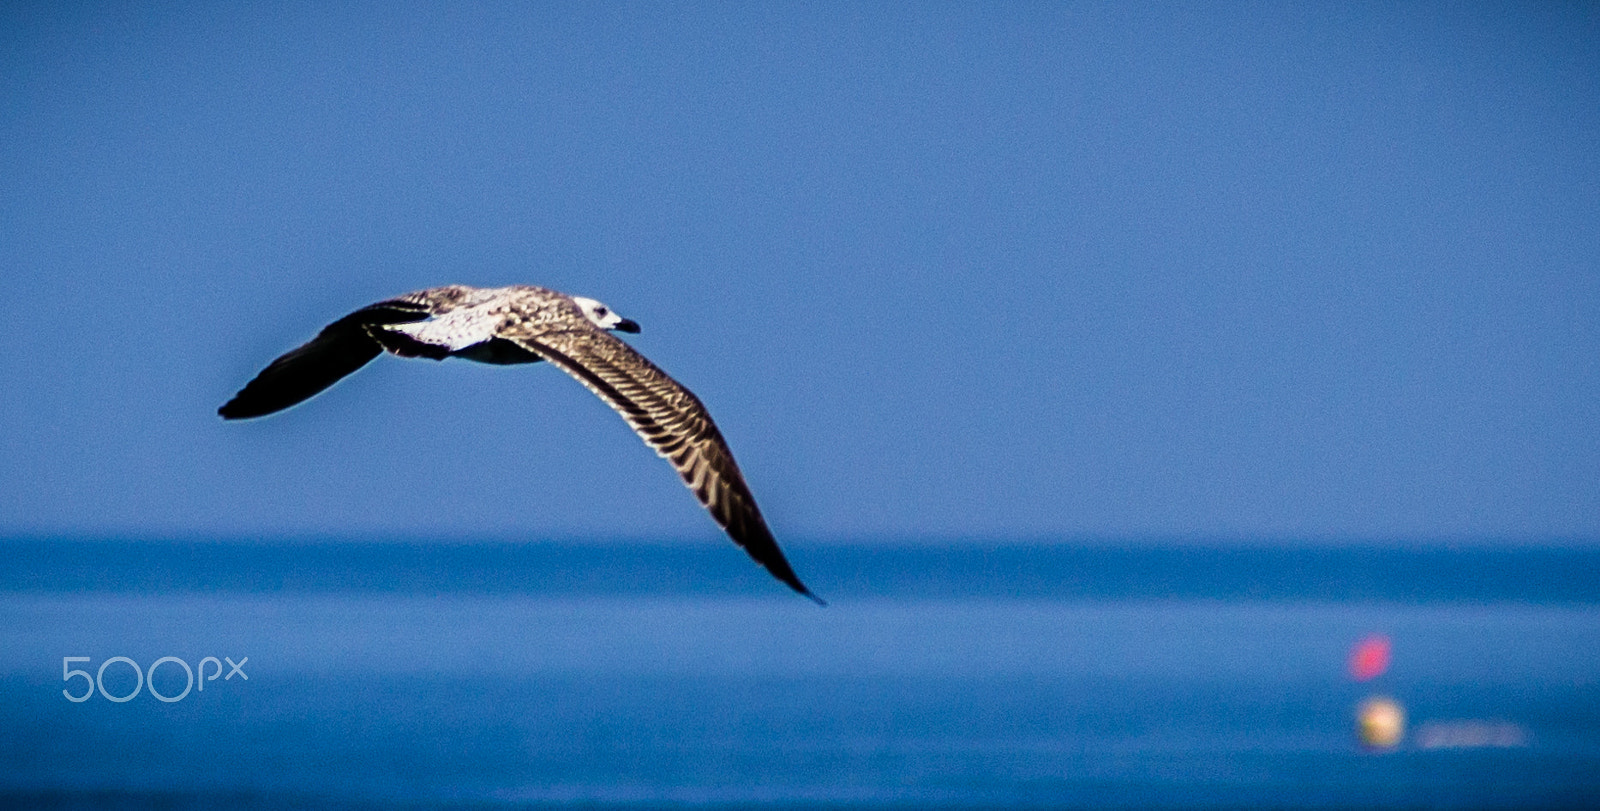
point(939, 270)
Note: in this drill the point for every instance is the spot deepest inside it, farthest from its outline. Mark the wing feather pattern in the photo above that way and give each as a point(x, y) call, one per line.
point(339, 349)
point(673, 422)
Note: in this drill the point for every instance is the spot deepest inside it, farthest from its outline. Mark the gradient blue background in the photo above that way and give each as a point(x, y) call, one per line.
point(939, 270)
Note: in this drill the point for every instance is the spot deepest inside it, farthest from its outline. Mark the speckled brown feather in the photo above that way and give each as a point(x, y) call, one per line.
point(672, 421)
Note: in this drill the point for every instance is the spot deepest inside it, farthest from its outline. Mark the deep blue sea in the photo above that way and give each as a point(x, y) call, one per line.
point(578, 675)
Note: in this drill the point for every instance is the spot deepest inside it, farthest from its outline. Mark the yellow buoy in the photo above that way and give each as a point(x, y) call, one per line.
point(1380, 722)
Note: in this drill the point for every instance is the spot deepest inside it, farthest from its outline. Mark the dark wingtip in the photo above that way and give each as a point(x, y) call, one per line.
point(247, 405)
point(235, 410)
point(778, 566)
point(793, 582)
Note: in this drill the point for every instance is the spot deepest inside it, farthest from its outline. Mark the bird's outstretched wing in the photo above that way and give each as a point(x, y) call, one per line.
point(671, 420)
point(341, 348)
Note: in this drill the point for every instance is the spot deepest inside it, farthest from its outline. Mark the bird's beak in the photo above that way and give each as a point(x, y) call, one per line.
point(627, 325)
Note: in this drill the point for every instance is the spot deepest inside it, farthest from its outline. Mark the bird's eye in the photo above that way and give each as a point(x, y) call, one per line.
point(600, 311)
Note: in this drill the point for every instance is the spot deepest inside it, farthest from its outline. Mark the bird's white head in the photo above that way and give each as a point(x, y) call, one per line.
point(601, 316)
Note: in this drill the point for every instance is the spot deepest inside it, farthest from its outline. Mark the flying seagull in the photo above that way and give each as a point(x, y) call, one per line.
point(525, 324)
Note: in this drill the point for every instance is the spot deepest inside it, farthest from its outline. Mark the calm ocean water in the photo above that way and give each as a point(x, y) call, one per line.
point(548, 675)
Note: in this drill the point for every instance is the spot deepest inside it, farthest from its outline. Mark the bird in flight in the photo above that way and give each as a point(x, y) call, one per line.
point(526, 324)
